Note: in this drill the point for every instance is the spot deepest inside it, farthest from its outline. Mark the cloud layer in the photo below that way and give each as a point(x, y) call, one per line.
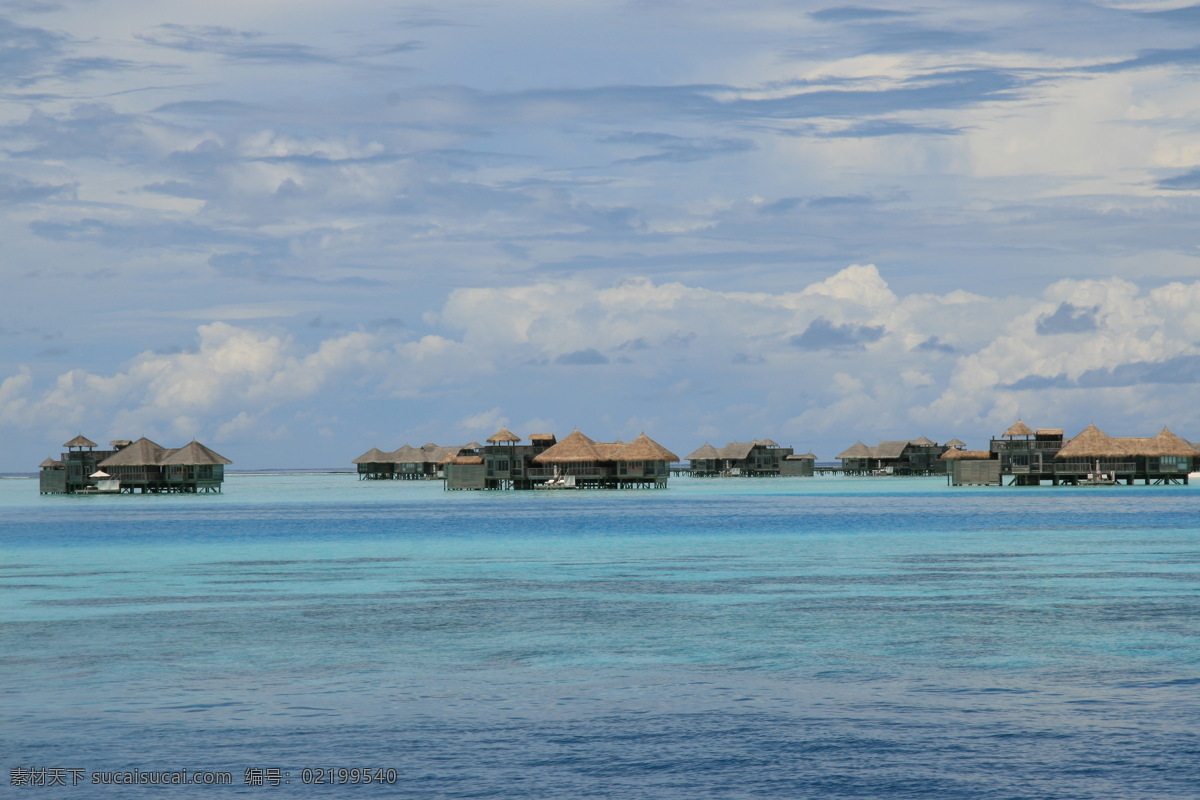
point(841, 359)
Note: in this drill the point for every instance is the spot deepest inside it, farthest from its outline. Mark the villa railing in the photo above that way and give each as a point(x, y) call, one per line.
point(1019, 445)
point(577, 471)
point(1076, 468)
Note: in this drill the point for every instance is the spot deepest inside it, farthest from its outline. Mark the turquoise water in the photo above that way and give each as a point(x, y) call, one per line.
point(822, 637)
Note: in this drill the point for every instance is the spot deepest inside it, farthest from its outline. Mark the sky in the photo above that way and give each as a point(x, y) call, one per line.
point(295, 231)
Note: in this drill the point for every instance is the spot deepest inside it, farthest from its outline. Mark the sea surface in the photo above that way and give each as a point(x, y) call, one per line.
point(775, 638)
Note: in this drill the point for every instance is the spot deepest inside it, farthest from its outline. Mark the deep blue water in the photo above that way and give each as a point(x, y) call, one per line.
point(790, 638)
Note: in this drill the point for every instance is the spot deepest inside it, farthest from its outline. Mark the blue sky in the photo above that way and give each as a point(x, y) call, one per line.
point(295, 231)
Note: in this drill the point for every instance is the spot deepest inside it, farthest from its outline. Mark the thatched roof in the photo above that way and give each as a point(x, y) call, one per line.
point(141, 453)
point(573, 449)
point(433, 453)
point(462, 460)
point(406, 454)
point(545, 439)
point(1018, 429)
point(924, 441)
point(1049, 431)
point(737, 450)
point(472, 446)
point(809, 456)
point(373, 456)
point(119, 443)
point(643, 448)
point(80, 441)
point(954, 454)
point(856, 450)
point(503, 435)
point(1164, 444)
point(705, 452)
point(1092, 443)
point(956, 442)
point(768, 443)
point(193, 454)
point(50, 462)
point(609, 451)
point(889, 450)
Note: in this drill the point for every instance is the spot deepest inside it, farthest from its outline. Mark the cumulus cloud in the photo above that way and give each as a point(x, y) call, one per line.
point(231, 382)
point(528, 344)
point(1127, 338)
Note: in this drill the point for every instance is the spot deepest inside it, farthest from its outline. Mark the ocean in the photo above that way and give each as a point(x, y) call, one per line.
point(318, 636)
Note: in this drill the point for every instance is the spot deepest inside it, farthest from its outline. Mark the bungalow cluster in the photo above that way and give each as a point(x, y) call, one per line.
point(1024, 456)
point(920, 456)
point(757, 459)
point(128, 466)
point(507, 462)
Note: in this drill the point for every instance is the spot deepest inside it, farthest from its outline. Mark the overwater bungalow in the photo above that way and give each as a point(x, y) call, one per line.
point(920, 456)
point(407, 462)
point(129, 466)
point(546, 463)
point(1023, 456)
point(759, 458)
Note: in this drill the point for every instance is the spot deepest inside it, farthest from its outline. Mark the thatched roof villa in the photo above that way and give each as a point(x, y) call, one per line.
point(506, 461)
point(758, 458)
point(1023, 456)
point(133, 466)
point(577, 461)
point(920, 456)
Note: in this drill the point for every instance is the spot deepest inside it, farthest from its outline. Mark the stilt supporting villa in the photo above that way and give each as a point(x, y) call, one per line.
point(757, 459)
point(1022, 456)
point(128, 467)
point(577, 462)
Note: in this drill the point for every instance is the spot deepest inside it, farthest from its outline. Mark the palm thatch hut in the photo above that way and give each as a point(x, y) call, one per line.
point(705, 460)
point(374, 465)
point(1018, 428)
point(856, 458)
point(194, 465)
point(80, 442)
point(503, 436)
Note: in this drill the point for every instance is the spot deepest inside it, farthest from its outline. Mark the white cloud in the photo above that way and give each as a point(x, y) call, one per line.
point(14, 402)
point(488, 421)
point(860, 284)
point(726, 363)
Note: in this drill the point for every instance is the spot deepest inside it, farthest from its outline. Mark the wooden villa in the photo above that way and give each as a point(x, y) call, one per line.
point(920, 456)
point(407, 462)
point(1023, 456)
point(545, 463)
point(759, 458)
point(128, 467)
